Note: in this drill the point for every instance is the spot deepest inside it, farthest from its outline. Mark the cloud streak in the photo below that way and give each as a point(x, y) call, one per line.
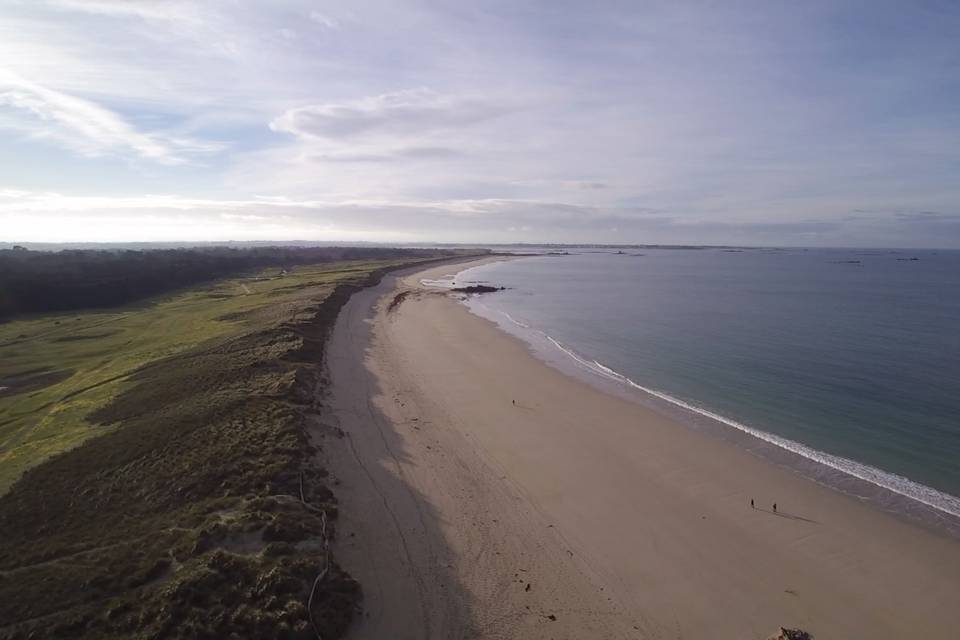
point(167, 11)
point(84, 126)
point(403, 114)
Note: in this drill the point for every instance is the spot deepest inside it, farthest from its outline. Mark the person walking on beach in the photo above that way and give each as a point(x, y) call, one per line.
point(751, 503)
point(774, 507)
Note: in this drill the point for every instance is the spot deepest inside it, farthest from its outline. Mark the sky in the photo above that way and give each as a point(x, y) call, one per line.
point(776, 123)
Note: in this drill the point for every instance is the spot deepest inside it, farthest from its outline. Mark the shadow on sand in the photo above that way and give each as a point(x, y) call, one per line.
point(390, 538)
point(789, 516)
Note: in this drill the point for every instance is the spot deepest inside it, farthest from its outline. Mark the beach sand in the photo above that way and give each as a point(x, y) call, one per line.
point(486, 494)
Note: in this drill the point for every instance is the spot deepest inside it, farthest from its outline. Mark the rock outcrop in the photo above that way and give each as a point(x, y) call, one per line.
point(791, 634)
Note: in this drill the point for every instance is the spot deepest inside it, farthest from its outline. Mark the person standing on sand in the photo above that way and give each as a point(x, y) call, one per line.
point(751, 503)
point(774, 507)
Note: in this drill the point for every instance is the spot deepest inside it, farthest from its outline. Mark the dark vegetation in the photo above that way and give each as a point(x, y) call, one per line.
point(478, 288)
point(202, 513)
point(397, 301)
point(31, 380)
point(791, 634)
point(42, 282)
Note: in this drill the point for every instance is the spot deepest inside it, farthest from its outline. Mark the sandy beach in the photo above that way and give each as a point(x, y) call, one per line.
point(486, 494)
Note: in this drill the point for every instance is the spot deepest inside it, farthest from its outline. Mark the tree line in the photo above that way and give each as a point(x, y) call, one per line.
point(44, 282)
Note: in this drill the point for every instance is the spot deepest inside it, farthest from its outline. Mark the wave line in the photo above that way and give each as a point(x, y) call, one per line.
point(885, 479)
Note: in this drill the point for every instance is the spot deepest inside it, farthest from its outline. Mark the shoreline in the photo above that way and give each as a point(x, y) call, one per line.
point(642, 527)
point(886, 491)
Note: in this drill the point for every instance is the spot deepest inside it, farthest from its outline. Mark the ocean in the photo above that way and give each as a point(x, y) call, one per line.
point(847, 361)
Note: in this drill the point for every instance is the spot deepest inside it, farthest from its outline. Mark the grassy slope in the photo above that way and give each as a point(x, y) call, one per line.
point(99, 350)
point(199, 511)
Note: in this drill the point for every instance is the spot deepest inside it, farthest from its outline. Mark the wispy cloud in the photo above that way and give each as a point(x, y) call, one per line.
point(85, 127)
point(324, 19)
point(399, 154)
point(673, 122)
point(409, 113)
point(166, 10)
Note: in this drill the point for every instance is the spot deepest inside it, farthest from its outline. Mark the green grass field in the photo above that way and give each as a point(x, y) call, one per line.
point(58, 369)
point(169, 485)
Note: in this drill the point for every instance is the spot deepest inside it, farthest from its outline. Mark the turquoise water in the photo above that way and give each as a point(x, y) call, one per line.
point(849, 357)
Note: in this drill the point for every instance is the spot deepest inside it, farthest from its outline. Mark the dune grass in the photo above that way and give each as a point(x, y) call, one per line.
point(58, 369)
point(199, 510)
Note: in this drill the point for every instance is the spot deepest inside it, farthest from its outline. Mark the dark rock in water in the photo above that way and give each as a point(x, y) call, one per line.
point(478, 288)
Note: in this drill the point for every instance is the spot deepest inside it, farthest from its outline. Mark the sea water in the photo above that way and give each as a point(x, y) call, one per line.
point(849, 359)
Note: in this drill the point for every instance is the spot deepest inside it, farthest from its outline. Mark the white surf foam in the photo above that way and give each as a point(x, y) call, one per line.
point(890, 481)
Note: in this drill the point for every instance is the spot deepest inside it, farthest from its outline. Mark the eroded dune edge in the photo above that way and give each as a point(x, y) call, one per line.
point(201, 509)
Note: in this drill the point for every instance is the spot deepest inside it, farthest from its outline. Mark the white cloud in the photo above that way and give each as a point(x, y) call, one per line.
point(173, 12)
point(12, 200)
point(84, 126)
point(163, 10)
point(55, 217)
point(325, 20)
point(409, 113)
point(534, 114)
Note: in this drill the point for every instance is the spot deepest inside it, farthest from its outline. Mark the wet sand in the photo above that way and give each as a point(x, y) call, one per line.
point(486, 494)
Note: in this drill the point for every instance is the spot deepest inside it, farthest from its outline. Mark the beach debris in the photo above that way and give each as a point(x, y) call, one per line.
point(397, 299)
point(791, 634)
point(527, 588)
point(551, 618)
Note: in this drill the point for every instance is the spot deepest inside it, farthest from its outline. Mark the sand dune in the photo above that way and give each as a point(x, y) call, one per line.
point(488, 495)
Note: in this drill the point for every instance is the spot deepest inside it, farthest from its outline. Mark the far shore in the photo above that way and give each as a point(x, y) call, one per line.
point(498, 496)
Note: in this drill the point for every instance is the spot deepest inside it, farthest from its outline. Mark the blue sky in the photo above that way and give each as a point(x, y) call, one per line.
point(770, 123)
